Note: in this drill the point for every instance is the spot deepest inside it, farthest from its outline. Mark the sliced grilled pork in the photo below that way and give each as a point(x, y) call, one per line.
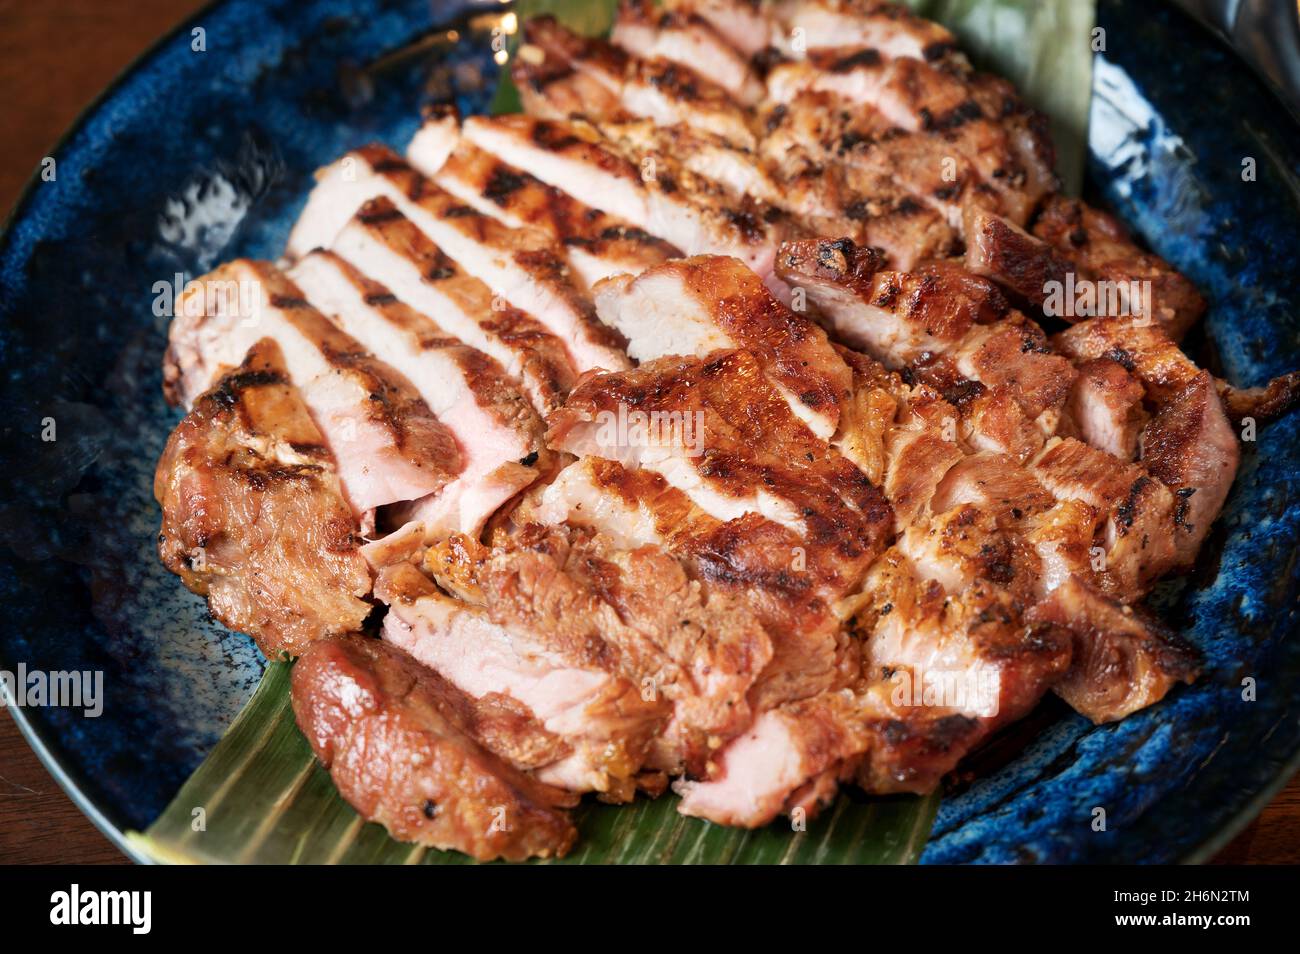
point(1124, 659)
point(688, 40)
point(398, 742)
point(868, 414)
point(387, 444)
point(572, 157)
point(253, 515)
point(738, 171)
point(791, 584)
point(1146, 350)
point(1139, 512)
point(522, 265)
point(950, 141)
point(1013, 353)
point(1192, 449)
point(804, 146)
point(887, 736)
point(734, 446)
point(889, 28)
point(939, 310)
point(639, 614)
point(1102, 250)
point(699, 305)
point(603, 719)
point(382, 244)
point(597, 245)
point(909, 94)
point(747, 27)
point(1026, 266)
point(572, 75)
point(896, 317)
point(497, 430)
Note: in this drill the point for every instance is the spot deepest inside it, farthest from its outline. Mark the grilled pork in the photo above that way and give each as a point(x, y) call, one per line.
point(522, 266)
point(398, 741)
point(387, 444)
point(699, 305)
point(597, 245)
point(254, 518)
point(604, 720)
point(497, 431)
point(573, 157)
point(688, 40)
point(852, 511)
point(385, 246)
point(571, 75)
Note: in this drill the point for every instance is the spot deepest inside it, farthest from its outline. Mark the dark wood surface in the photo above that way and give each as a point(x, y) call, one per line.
point(55, 56)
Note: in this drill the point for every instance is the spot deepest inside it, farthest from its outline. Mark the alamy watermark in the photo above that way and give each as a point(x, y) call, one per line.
point(208, 297)
point(36, 688)
point(634, 428)
point(1083, 298)
point(974, 691)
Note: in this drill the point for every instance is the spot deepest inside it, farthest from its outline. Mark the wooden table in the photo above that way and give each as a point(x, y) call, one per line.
point(55, 56)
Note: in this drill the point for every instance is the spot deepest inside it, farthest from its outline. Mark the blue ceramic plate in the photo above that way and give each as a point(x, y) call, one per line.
point(202, 154)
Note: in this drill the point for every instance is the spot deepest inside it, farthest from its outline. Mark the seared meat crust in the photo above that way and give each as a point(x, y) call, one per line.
point(398, 741)
point(253, 515)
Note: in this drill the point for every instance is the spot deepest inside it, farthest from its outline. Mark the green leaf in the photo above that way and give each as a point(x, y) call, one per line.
point(261, 798)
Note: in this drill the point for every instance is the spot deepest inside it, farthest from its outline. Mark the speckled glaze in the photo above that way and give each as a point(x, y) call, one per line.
point(194, 157)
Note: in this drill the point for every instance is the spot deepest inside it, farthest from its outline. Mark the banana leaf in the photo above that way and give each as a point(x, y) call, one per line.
point(260, 796)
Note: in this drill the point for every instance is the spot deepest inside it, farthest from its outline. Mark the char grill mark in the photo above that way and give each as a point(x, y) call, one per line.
point(408, 263)
point(597, 245)
point(387, 444)
point(687, 40)
point(573, 75)
point(492, 422)
point(254, 518)
point(572, 156)
point(522, 266)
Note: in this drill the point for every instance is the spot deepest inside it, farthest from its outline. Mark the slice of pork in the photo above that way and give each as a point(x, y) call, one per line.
point(597, 245)
point(1124, 659)
point(253, 515)
point(387, 443)
point(606, 723)
point(699, 305)
point(386, 247)
point(523, 266)
point(398, 742)
point(497, 430)
point(572, 157)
